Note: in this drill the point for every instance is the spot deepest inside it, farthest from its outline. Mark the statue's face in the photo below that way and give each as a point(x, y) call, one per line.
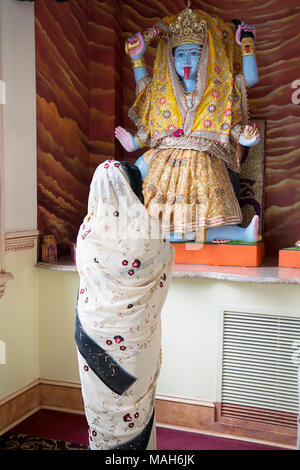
point(186, 60)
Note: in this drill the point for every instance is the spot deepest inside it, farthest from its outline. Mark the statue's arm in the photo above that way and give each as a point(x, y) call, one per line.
point(245, 37)
point(136, 52)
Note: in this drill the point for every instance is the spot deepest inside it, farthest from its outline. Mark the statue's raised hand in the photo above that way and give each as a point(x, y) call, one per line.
point(244, 31)
point(127, 140)
point(136, 46)
point(250, 135)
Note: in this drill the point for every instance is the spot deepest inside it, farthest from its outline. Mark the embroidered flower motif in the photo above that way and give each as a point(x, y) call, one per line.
point(151, 187)
point(183, 161)
point(230, 97)
point(163, 88)
point(131, 425)
point(161, 284)
point(166, 114)
point(109, 342)
point(159, 198)
point(163, 100)
point(152, 121)
point(221, 240)
point(215, 94)
point(131, 272)
point(86, 368)
point(125, 262)
point(171, 127)
point(225, 126)
point(180, 198)
point(217, 69)
point(212, 108)
point(225, 34)
point(117, 164)
point(86, 300)
point(178, 133)
point(127, 418)
point(164, 277)
point(122, 348)
point(207, 123)
point(227, 112)
point(172, 200)
point(136, 415)
point(118, 339)
point(82, 291)
point(94, 433)
point(136, 263)
point(106, 165)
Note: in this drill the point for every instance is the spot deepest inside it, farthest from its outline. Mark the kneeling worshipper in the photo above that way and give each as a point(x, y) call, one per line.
point(124, 264)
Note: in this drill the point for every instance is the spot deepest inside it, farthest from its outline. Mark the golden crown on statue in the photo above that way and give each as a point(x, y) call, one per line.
point(187, 29)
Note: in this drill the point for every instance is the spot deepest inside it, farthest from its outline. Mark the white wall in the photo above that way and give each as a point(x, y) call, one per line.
point(18, 71)
point(19, 305)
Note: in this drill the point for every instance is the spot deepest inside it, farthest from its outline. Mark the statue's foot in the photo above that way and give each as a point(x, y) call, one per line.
point(181, 237)
point(251, 232)
point(176, 237)
point(190, 236)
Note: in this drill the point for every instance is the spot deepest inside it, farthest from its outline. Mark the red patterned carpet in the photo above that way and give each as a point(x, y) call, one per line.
point(55, 430)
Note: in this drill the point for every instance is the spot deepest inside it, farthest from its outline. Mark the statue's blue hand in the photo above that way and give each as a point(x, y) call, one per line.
point(139, 50)
point(247, 142)
point(142, 165)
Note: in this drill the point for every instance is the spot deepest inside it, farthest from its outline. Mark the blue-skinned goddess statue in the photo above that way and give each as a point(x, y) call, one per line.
point(193, 115)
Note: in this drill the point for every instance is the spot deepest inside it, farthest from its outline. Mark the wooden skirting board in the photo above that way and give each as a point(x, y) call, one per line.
point(173, 412)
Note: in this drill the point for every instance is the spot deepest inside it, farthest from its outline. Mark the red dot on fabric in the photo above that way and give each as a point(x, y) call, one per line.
point(131, 272)
point(131, 425)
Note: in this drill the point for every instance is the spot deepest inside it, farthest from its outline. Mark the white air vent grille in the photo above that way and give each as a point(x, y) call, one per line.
point(259, 371)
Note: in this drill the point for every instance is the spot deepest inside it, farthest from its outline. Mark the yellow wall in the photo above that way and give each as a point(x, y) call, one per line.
point(19, 323)
point(190, 328)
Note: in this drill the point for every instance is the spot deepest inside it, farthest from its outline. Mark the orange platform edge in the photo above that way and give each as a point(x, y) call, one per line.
point(219, 254)
point(289, 258)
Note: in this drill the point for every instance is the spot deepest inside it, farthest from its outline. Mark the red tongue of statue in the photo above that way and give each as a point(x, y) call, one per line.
point(187, 72)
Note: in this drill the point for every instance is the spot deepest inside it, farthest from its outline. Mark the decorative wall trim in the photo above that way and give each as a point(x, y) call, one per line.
point(187, 414)
point(17, 241)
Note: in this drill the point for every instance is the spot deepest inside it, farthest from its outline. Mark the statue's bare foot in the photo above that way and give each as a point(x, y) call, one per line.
point(252, 229)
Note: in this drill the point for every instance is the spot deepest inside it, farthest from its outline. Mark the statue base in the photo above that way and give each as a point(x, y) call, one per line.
point(227, 254)
point(289, 257)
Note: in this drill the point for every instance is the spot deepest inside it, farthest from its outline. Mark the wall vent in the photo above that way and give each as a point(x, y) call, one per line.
point(259, 370)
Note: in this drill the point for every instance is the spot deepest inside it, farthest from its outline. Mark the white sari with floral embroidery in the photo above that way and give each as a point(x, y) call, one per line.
point(124, 267)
